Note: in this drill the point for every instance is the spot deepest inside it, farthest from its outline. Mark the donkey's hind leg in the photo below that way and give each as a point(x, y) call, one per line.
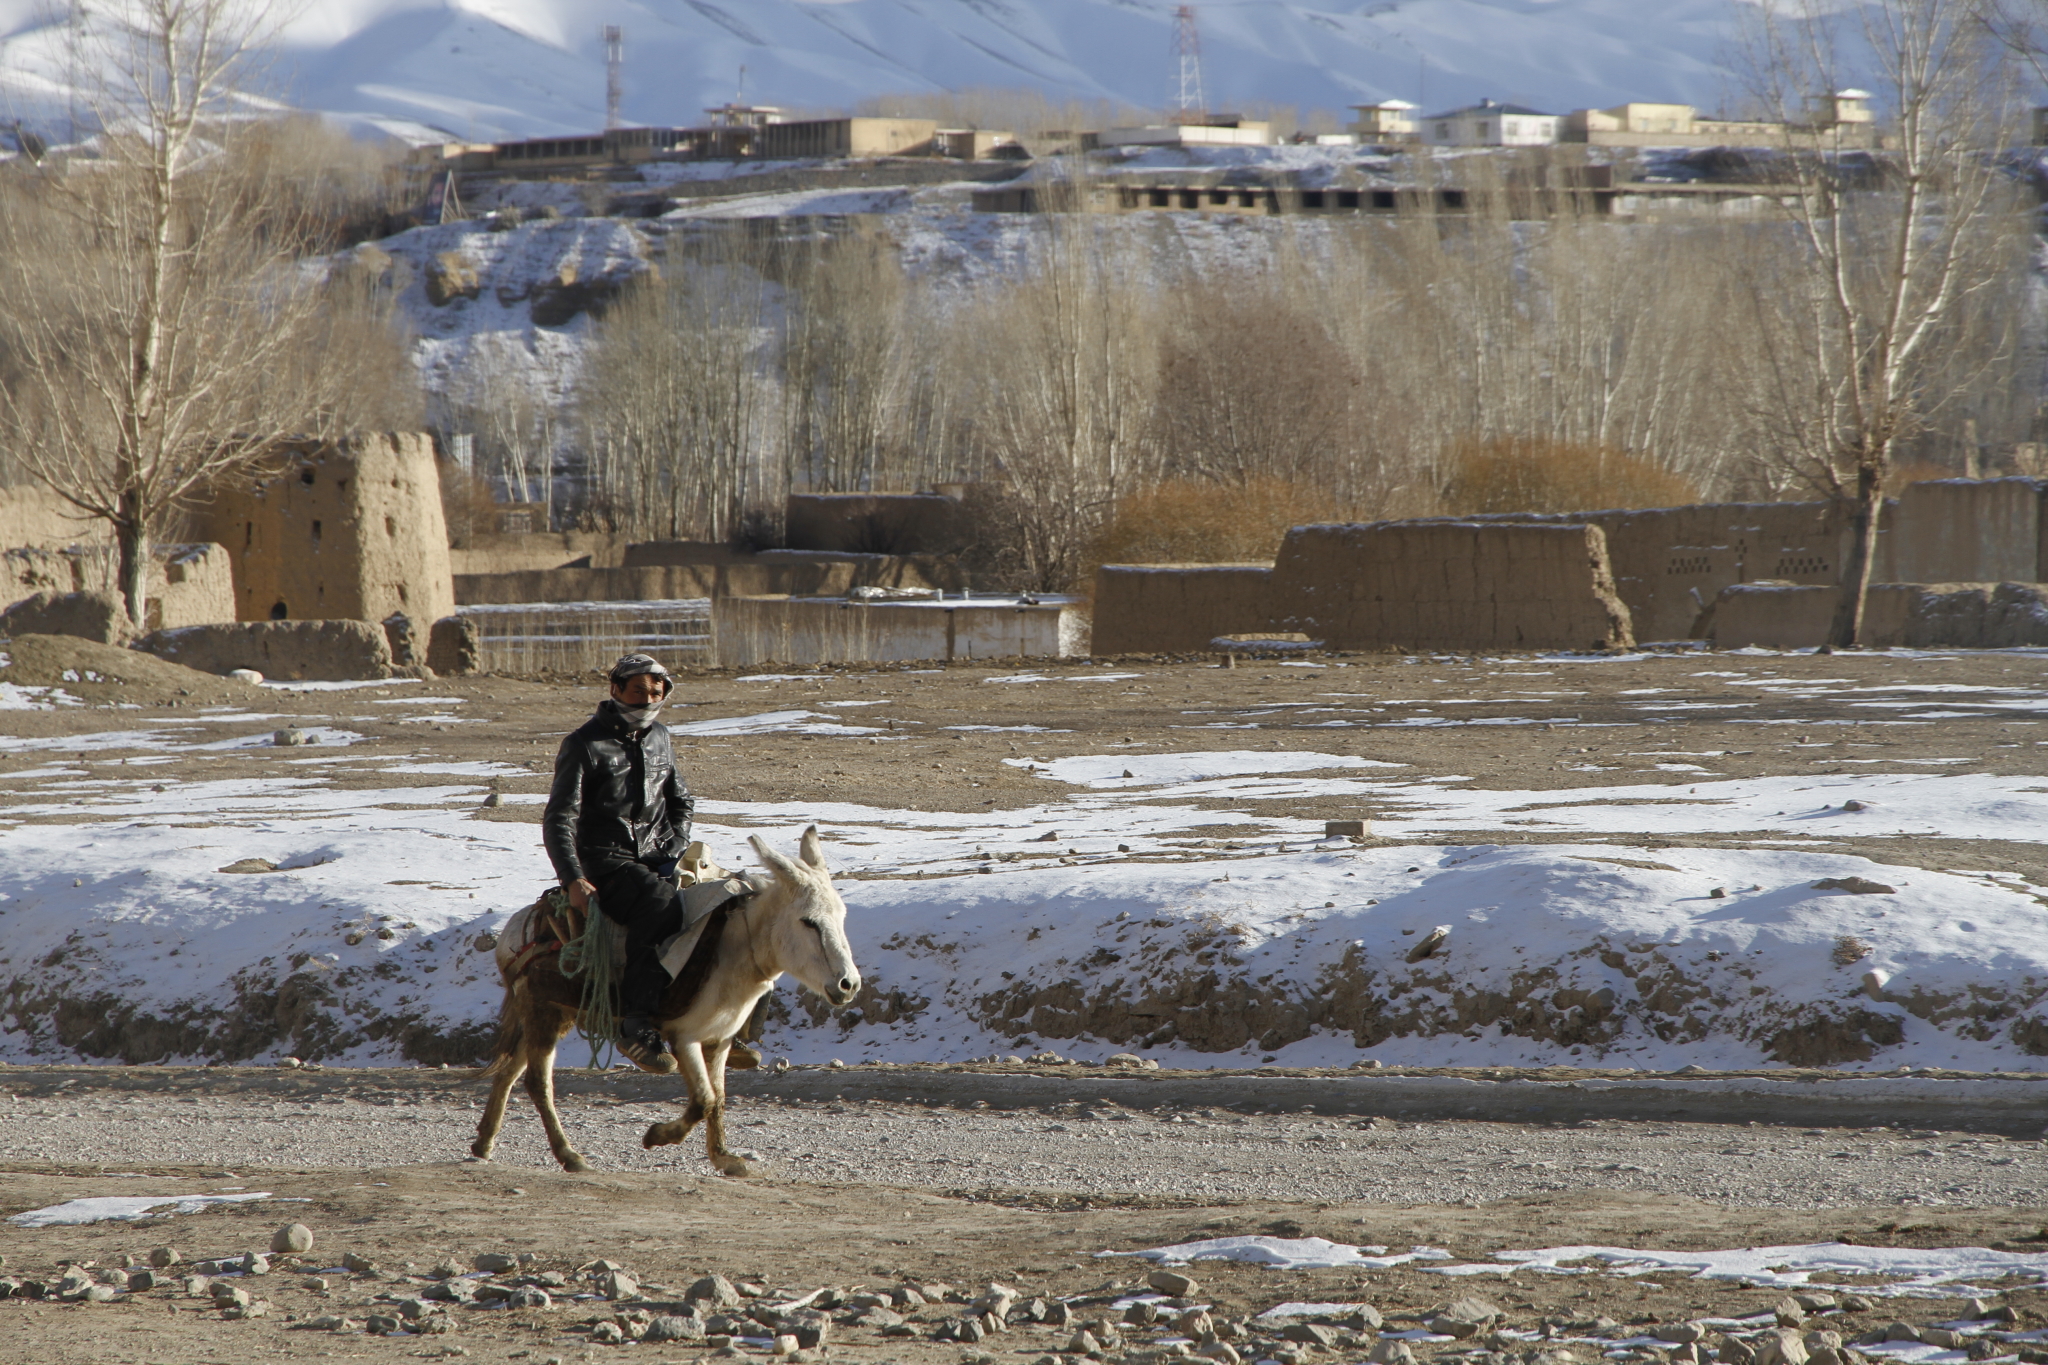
point(540, 1084)
point(515, 1024)
point(727, 1161)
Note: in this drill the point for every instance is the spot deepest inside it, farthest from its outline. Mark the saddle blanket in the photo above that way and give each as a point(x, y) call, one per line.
point(698, 903)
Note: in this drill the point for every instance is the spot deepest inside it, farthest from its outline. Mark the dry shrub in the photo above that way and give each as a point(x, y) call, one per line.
point(1526, 474)
point(1194, 521)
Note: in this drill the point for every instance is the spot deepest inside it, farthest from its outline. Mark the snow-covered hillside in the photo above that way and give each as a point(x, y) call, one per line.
point(492, 68)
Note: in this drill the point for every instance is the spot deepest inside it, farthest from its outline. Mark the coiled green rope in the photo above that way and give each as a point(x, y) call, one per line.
point(590, 957)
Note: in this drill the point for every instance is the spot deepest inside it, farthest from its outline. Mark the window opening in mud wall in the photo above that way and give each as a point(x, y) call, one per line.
point(316, 535)
point(280, 612)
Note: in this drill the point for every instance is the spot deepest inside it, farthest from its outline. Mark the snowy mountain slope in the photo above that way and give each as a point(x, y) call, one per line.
point(489, 68)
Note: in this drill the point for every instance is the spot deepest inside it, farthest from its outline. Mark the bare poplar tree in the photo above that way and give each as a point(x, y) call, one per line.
point(161, 329)
point(1894, 250)
point(677, 395)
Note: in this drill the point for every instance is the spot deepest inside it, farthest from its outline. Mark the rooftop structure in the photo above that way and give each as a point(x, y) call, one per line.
point(1386, 121)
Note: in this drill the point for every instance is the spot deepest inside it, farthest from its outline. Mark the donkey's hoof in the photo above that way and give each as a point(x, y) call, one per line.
point(732, 1165)
point(480, 1149)
point(572, 1161)
point(659, 1135)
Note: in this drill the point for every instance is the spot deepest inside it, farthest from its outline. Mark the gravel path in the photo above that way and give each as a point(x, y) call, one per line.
point(1200, 1155)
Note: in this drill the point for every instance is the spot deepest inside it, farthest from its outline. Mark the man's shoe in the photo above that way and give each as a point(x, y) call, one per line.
point(642, 1044)
point(741, 1057)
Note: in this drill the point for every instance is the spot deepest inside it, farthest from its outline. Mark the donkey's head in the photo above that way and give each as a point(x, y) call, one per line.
point(809, 932)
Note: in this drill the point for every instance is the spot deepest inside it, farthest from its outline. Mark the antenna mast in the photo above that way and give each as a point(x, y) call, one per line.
point(614, 77)
point(1189, 105)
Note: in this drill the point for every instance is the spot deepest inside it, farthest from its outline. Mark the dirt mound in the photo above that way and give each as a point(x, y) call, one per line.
point(102, 673)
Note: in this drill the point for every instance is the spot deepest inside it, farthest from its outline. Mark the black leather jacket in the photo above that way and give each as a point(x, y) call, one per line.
point(617, 797)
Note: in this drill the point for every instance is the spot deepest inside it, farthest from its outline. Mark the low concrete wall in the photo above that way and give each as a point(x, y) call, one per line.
point(1896, 615)
point(189, 585)
point(771, 572)
point(515, 552)
point(579, 637)
point(808, 630)
point(876, 523)
point(1970, 531)
point(1450, 585)
point(293, 651)
point(1178, 608)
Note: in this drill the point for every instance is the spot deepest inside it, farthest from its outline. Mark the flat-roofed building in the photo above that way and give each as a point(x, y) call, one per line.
point(825, 137)
point(1490, 123)
point(1386, 121)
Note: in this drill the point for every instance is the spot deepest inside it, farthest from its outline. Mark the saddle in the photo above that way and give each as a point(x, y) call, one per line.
point(706, 893)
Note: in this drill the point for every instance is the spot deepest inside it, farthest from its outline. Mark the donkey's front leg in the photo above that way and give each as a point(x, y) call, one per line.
point(721, 1156)
point(675, 1130)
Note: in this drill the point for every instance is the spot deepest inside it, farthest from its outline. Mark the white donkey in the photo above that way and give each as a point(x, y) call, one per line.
point(794, 922)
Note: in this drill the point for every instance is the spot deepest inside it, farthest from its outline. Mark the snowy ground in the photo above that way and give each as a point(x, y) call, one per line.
point(176, 886)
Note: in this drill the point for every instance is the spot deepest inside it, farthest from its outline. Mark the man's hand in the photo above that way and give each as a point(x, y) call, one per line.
point(580, 892)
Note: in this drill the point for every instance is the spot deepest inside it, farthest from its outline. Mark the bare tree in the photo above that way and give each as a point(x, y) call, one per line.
point(161, 327)
point(1895, 249)
point(677, 396)
point(517, 427)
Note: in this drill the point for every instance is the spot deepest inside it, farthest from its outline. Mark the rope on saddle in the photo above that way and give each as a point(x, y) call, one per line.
point(589, 957)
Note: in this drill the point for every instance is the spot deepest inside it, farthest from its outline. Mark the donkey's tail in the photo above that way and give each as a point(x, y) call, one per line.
point(511, 1030)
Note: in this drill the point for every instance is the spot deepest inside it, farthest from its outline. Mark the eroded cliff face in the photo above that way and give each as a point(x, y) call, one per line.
point(1524, 955)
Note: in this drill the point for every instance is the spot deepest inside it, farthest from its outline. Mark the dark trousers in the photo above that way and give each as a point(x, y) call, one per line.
point(637, 896)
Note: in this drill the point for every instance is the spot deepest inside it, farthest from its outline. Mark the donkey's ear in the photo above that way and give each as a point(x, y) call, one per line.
point(813, 849)
point(780, 864)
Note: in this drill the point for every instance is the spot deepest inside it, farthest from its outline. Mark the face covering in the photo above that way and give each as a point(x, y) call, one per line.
point(639, 717)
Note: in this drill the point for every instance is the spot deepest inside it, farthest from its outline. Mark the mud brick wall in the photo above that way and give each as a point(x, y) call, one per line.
point(351, 531)
point(1671, 563)
point(1450, 585)
point(1970, 531)
point(32, 516)
point(1896, 615)
point(514, 551)
point(806, 630)
point(1178, 608)
point(188, 585)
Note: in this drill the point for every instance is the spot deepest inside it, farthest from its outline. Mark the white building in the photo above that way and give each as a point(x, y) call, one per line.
point(1491, 124)
point(1387, 121)
point(1239, 133)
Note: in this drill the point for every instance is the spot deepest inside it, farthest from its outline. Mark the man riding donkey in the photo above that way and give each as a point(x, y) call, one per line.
point(616, 825)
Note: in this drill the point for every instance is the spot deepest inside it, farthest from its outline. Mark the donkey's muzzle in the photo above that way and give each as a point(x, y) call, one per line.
point(844, 990)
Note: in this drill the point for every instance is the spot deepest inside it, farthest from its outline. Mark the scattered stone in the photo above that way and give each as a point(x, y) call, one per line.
point(714, 1290)
point(617, 1284)
point(255, 1308)
point(451, 1291)
point(1173, 1283)
point(326, 1322)
point(494, 1263)
point(1311, 1334)
point(1789, 1311)
point(1946, 1338)
point(1142, 1314)
point(361, 1265)
point(530, 1296)
point(1364, 1318)
point(906, 1298)
point(1781, 1346)
point(381, 1324)
point(1901, 1331)
point(1057, 1314)
point(811, 1328)
point(670, 1327)
point(1855, 1303)
point(163, 1258)
point(198, 1286)
point(1431, 942)
point(1815, 1303)
point(230, 1296)
point(246, 675)
point(1855, 886)
point(1389, 1352)
point(1132, 1060)
point(786, 1345)
point(1684, 1333)
point(607, 1334)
